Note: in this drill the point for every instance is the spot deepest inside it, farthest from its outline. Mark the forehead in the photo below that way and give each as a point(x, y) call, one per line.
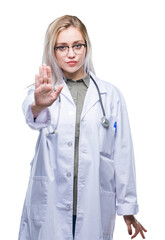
point(69, 35)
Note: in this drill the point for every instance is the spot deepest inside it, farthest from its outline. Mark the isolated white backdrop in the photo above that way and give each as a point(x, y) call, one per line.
point(128, 40)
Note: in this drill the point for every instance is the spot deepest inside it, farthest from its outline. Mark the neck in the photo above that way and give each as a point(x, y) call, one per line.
point(75, 76)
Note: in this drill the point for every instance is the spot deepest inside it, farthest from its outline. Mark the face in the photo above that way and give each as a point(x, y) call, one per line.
point(71, 60)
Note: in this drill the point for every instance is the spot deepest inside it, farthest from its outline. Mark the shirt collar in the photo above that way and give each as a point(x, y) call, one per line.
point(86, 80)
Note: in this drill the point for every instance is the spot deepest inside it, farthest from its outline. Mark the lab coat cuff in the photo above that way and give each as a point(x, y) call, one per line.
point(127, 209)
point(43, 119)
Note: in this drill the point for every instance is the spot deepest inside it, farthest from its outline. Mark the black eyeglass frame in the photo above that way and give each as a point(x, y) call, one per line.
point(78, 44)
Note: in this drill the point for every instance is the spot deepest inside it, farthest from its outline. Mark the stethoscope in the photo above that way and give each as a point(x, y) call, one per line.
point(104, 120)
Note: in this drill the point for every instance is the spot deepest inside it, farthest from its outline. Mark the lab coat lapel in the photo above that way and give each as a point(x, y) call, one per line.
point(65, 91)
point(92, 95)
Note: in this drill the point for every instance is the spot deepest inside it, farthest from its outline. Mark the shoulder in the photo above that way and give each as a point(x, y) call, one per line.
point(110, 89)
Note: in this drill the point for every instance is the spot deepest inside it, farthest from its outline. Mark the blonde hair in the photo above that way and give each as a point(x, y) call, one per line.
point(50, 40)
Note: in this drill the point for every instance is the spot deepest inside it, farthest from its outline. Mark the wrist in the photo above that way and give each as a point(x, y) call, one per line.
point(36, 109)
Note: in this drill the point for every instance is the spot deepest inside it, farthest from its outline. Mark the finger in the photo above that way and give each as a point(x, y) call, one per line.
point(58, 90)
point(48, 70)
point(142, 233)
point(136, 232)
point(37, 81)
point(45, 76)
point(41, 74)
point(142, 227)
point(137, 228)
point(129, 228)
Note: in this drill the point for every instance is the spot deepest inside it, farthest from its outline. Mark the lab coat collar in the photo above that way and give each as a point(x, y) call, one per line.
point(65, 91)
point(92, 95)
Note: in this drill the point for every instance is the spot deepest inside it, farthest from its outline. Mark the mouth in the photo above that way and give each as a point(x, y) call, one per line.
point(72, 63)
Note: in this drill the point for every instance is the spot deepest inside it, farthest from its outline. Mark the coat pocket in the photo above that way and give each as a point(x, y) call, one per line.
point(108, 212)
point(37, 198)
point(107, 139)
point(107, 173)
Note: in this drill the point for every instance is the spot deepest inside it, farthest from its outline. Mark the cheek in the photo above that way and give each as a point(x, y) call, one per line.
point(82, 58)
point(59, 61)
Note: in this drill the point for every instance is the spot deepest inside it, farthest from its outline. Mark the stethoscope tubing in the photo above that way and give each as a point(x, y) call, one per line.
point(104, 120)
point(98, 90)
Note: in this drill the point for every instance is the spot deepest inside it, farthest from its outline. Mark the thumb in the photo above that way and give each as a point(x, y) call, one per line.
point(58, 90)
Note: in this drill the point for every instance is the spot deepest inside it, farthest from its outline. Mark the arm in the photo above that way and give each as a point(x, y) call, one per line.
point(39, 99)
point(125, 177)
point(125, 172)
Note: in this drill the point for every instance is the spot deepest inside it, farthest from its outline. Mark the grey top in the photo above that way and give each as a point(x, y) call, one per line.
point(78, 91)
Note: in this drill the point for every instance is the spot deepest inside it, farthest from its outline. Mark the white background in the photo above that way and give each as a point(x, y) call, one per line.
point(128, 40)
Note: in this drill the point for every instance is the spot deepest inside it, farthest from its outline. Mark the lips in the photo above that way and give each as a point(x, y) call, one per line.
point(71, 63)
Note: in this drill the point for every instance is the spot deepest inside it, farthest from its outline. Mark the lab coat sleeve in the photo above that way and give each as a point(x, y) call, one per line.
point(125, 177)
point(43, 119)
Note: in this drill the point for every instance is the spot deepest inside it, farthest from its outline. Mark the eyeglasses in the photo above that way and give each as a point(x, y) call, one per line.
point(77, 49)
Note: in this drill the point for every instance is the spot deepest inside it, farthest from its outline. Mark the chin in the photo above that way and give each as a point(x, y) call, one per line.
point(73, 70)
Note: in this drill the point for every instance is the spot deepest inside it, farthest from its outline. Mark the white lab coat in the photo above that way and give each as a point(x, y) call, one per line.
point(106, 171)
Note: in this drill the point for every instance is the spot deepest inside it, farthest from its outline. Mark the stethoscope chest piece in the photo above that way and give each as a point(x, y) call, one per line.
point(105, 122)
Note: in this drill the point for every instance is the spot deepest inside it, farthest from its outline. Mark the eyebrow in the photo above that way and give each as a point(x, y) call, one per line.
point(66, 44)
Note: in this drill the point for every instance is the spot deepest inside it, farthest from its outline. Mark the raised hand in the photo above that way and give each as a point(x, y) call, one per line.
point(44, 90)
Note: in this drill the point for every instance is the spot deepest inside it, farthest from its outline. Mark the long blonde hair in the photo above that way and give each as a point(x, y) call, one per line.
point(50, 40)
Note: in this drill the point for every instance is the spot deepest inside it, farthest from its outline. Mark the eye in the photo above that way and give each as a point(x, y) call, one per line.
point(61, 48)
point(77, 46)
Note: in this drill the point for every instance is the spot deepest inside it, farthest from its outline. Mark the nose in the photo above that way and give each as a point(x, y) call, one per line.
point(71, 53)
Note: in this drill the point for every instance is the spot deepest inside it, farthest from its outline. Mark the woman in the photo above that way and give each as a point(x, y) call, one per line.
point(83, 168)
